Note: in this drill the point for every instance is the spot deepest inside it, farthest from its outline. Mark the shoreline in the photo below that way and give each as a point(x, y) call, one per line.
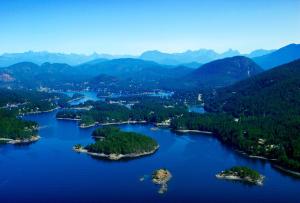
point(79, 108)
point(116, 157)
point(194, 131)
point(38, 112)
point(190, 131)
point(237, 178)
point(21, 141)
point(75, 99)
point(112, 123)
point(287, 170)
point(254, 156)
point(88, 126)
point(123, 122)
point(69, 119)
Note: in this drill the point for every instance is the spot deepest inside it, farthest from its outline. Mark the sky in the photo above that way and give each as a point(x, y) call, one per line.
point(134, 26)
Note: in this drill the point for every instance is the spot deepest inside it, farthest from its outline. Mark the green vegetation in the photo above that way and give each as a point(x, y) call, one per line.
point(119, 142)
point(69, 114)
point(242, 173)
point(104, 131)
point(151, 110)
point(17, 102)
point(26, 101)
point(14, 128)
point(260, 116)
point(244, 133)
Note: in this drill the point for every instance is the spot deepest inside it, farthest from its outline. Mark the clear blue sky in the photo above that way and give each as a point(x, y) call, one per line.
point(133, 26)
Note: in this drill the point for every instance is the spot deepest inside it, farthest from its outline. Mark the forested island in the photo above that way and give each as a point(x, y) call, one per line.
point(242, 173)
point(116, 144)
point(150, 110)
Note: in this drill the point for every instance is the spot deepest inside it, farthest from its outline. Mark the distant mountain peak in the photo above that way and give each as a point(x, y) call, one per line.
point(281, 56)
point(223, 72)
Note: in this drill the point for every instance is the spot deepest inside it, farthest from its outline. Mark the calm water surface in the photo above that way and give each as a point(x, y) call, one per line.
point(196, 109)
point(49, 171)
point(87, 96)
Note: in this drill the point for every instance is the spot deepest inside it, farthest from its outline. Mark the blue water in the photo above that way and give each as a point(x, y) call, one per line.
point(49, 171)
point(87, 96)
point(196, 109)
point(161, 94)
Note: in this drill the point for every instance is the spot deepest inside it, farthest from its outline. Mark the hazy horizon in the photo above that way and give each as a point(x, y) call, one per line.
point(138, 54)
point(129, 27)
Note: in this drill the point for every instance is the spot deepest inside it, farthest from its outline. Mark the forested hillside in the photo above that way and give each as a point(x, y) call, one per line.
point(260, 115)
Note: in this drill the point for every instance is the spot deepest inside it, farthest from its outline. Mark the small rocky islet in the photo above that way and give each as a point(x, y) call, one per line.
point(161, 177)
point(242, 173)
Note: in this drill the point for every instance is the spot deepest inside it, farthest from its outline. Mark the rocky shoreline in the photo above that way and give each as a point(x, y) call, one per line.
point(112, 123)
point(194, 131)
point(69, 119)
point(287, 170)
point(184, 131)
point(115, 157)
point(21, 141)
point(246, 179)
point(254, 156)
point(88, 126)
point(243, 174)
point(76, 99)
point(161, 177)
point(38, 112)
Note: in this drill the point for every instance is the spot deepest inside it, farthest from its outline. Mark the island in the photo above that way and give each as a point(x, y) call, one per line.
point(161, 177)
point(242, 173)
point(114, 144)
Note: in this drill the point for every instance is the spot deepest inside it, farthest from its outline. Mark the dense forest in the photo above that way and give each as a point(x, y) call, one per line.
point(119, 142)
point(15, 128)
point(260, 115)
point(249, 134)
point(151, 109)
point(105, 131)
point(29, 101)
point(14, 103)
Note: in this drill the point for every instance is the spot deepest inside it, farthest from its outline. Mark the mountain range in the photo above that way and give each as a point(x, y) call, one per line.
point(192, 59)
point(189, 58)
point(31, 75)
point(199, 56)
point(281, 56)
point(214, 74)
point(39, 58)
point(222, 72)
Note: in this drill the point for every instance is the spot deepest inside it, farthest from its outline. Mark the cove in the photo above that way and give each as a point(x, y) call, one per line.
point(49, 171)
